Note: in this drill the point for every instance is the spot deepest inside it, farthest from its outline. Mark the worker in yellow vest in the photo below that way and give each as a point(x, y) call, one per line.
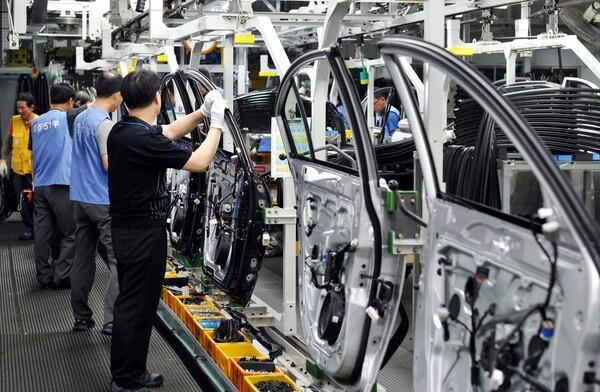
point(16, 144)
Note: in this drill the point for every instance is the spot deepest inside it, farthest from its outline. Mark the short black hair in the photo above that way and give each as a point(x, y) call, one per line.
point(108, 83)
point(82, 97)
point(61, 93)
point(380, 94)
point(139, 88)
point(27, 98)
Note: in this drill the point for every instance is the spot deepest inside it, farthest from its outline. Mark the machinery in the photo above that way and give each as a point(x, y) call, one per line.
point(460, 255)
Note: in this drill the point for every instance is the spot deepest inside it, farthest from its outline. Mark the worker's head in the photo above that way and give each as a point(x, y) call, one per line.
point(379, 103)
point(108, 88)
point(61, 95)
point(141, 90)
point(81, 98)
point(25, 105)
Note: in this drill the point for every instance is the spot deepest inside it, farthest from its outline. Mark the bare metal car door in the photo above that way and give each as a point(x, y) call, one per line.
point(349, 283)
point(505, 301)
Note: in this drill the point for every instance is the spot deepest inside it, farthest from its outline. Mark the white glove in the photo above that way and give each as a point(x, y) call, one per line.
point(3, 168)
point(217, 113)
point(208, 102)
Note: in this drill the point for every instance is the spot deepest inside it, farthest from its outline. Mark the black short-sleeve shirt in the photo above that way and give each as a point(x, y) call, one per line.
point(139, 155)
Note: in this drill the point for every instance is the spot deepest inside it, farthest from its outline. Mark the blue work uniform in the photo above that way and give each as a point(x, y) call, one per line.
point(89, 180)
point(51, 149)
point(89, 193)
point(391, 124)
point(342, 112)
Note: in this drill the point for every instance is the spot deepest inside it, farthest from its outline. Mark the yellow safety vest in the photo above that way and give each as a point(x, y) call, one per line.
point(21, 154)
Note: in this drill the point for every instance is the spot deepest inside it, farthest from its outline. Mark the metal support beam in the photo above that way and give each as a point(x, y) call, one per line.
point(543, 41)
point(370, 102)
point(169, 52)
point(336, 11)
point(228, 68)
point(19, 13)
point(511, 66)
point(435, 115)
point(458, 8)
point(65, 5)
point(273, 44)
point(242, 70)
point(290, 266)
point(196, 55)
point(97, 20)
point(82, 65)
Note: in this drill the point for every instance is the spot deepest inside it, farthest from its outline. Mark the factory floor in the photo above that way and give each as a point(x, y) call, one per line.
point(38, 350)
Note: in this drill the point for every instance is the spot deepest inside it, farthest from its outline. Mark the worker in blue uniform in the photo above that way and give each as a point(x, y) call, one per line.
point(51, 160)
point(393, 118)
point(89, 193)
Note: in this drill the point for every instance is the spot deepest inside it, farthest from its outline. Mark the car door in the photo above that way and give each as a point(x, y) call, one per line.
point(187, 189)
point(350, 282)
point(506, 300)
point(232, 222)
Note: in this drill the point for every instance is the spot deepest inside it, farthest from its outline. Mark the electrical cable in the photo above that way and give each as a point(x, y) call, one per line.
point(528, 379)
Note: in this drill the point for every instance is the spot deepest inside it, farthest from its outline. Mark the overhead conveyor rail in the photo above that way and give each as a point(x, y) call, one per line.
point(38, 350)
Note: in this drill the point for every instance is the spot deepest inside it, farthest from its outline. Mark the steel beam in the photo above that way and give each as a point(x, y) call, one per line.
point(435, 108)
point(273, 44)
point(228, 70)
point(66, 5)
point(82, 65)
point(450, 10)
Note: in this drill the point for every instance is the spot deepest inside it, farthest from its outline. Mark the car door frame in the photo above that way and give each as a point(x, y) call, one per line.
point(526, 141)
point(568, 210)
point(257, 188)
point(363, 376)
point(196, 186)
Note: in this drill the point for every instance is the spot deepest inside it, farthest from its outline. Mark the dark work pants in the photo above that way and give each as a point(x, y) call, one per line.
point(53, 210)
point(92, 228)
point(21, 183)
point(141, 261)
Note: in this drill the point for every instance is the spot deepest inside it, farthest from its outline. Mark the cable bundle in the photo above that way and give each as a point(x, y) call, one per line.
point(458, 162)
point(566, 119)
point(41, 94)
point(253, 111)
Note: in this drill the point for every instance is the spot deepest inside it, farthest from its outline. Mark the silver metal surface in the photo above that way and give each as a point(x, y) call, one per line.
point(396, 376)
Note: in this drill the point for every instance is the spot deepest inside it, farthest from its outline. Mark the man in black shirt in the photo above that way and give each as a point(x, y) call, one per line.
point(139, 155)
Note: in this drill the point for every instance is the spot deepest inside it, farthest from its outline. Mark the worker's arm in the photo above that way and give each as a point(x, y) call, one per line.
point(203, 156)
point(104, 159)
point(102, 133)
point(183, 126)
